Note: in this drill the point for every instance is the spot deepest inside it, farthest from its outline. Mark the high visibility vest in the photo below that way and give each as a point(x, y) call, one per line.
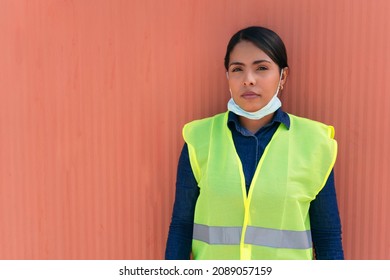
point(272, 221)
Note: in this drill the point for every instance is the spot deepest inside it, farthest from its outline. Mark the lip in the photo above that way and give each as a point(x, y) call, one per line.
point(249, 95)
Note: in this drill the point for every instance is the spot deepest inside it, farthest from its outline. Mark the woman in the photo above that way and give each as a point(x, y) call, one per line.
point(255, 182)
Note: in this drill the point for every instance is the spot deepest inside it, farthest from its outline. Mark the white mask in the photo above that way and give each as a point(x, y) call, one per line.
point(271, 106)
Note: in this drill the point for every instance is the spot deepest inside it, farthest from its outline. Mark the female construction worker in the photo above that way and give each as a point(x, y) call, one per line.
point(256, 182)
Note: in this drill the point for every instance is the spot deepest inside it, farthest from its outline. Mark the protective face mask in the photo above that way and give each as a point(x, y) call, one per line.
point(269, 108)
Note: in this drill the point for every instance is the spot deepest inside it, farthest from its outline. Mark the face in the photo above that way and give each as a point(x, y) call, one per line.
point(253, 76)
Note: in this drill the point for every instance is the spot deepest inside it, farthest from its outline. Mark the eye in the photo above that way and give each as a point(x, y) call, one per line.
point(262, 68)
point(236, 69)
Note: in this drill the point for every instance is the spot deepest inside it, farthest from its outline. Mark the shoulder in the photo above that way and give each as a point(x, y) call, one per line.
point(203, 125)
point(312, 126)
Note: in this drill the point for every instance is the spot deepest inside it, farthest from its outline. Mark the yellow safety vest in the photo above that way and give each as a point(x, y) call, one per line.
point(272, 221)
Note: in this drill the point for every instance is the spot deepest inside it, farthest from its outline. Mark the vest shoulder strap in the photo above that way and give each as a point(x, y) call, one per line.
point(198, 132)
point(311, 124)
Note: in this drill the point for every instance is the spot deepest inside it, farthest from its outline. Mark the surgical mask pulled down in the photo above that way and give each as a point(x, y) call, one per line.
point(269, 108)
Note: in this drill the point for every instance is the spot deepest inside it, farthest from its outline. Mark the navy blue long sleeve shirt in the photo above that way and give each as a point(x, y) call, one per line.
point(324, 214)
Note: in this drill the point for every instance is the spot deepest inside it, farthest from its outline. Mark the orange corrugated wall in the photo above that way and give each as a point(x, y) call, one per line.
point(94, 95)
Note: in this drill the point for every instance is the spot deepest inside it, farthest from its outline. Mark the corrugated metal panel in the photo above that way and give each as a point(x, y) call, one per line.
point(94, 95)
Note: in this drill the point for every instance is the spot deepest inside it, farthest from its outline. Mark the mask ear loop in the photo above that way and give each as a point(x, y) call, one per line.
point(280, 80)
point(230, 90)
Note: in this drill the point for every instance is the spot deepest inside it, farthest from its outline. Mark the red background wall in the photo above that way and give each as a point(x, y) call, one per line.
point(93, 96)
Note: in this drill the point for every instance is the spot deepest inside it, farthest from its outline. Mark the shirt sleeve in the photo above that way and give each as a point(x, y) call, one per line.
point(325, 223)
point(179, 242)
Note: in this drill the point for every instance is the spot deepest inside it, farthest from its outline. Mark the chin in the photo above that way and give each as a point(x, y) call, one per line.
point(252, 109)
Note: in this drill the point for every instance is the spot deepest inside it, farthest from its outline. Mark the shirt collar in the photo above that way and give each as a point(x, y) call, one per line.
point(279, 117)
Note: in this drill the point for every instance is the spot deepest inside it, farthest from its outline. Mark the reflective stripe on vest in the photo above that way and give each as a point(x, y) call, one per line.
point(254, 235)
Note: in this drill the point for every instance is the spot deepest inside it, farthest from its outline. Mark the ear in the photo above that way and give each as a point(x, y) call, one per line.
point(284, 76)
point(227, 75)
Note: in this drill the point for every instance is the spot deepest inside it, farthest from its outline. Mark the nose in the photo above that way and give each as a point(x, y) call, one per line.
point(249, 79)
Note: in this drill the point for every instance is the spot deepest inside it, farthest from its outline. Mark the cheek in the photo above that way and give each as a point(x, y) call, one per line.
point(269, 85)
point(233, 90)
point(233, 85)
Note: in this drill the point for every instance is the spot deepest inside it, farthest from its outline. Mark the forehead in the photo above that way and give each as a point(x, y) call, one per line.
point(246, 51)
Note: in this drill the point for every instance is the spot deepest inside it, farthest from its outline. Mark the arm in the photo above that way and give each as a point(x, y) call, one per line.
point(179, 241)
point(325, 223)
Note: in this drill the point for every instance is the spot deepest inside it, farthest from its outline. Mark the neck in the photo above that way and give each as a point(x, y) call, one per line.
point(254, 125)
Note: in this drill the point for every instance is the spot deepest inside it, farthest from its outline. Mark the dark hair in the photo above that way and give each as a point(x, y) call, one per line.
point(265, 39)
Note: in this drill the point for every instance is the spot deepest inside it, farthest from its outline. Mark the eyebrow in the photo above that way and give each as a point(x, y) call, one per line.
point(254, 62)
